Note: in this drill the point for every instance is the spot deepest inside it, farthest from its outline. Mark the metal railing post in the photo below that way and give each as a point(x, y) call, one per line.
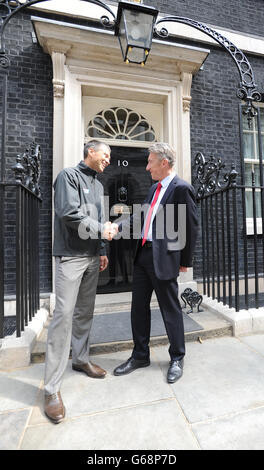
point(235, 235)
point(2, 260)
point(18, 260)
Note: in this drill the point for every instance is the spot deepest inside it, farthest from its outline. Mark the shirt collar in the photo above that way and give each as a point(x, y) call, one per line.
point(86, 169)
point(167, 180)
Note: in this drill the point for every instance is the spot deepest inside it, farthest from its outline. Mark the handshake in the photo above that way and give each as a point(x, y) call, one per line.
point(110, 231)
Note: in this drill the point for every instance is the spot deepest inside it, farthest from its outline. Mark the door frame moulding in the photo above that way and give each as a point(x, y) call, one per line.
point(169, 96)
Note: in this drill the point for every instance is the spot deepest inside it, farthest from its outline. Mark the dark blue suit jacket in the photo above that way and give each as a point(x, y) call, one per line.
point(172, 245)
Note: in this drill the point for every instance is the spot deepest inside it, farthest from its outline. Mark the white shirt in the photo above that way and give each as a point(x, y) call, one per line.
point(164, 183)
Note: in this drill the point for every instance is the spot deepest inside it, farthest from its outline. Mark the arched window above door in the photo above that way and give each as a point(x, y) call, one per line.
point(120, 124)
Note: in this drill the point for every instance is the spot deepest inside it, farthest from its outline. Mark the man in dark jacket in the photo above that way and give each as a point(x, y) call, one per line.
point(168, 236)
point(79, 250)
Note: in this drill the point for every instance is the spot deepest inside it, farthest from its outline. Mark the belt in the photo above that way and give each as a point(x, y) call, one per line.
point(147, 244)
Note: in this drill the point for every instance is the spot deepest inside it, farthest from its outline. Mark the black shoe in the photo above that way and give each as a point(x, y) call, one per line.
point(130, 365)
point(175, 371)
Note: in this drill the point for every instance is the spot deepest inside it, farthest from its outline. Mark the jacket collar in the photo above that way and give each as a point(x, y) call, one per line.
point(169, 189)
point(86, 169)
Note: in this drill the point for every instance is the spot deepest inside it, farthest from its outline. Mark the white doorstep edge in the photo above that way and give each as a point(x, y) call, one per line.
point(15, 352)
point(244, 322)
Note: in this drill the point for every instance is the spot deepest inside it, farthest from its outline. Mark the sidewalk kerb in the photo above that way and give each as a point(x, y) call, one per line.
point(243, 322)
point(16, 352)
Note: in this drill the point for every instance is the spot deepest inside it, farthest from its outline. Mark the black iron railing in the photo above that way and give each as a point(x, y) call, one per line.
point(26, 228)
point(232, 228)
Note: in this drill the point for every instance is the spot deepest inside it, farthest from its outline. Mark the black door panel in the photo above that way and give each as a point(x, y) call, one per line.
point(126, 182)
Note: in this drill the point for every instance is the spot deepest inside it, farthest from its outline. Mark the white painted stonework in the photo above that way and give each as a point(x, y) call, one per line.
point(16, 352)
point(244, 322)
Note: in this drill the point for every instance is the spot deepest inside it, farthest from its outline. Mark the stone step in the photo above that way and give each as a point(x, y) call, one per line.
point(111, 329)
point(121, 301)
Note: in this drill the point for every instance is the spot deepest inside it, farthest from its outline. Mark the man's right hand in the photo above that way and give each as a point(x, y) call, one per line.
point(110, 230)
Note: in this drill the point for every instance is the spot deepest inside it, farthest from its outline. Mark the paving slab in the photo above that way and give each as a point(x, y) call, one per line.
point(12, 425)
point(97, 395)
point(256, 342)
point(244, 431)
point(152, 426)
point(19, 388)
point(220, 376)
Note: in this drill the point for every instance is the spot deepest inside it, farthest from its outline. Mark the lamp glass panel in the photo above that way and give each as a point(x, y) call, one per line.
point(139, 28)
point(122, 35)
point(136, 55)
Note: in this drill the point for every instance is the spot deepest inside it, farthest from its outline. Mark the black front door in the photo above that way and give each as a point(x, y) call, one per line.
point(126, 182)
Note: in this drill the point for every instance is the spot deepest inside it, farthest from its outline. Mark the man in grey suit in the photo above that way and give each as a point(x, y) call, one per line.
point(79, 250)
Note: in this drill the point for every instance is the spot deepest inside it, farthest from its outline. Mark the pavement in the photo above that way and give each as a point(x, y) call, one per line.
point(218, 404)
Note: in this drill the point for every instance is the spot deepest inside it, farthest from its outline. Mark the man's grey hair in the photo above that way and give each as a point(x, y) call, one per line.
point(94, 144)
point(163, 150)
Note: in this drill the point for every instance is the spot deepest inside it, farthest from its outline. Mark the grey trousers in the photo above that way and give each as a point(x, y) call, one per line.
point(75, 288)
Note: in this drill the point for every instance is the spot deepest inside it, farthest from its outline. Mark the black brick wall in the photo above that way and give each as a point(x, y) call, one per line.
point(215, 121)
point(29, 117)
point(238, 15)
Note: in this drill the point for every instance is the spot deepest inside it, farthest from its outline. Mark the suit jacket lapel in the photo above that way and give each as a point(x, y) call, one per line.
point(151, 193)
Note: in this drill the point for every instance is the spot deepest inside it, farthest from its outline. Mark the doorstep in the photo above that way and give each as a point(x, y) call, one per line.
point(111, 329)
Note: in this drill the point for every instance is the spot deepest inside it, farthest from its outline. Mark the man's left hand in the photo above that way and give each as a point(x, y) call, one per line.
point(103, 263)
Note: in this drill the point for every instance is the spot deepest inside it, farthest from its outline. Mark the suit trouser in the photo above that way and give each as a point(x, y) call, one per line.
point(144, 282)
point(75, 287)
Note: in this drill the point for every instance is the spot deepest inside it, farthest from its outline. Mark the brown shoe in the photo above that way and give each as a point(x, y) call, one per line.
point(54, 407)
point(92, 370)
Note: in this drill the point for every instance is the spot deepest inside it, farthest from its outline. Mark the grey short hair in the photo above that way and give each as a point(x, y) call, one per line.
point(163, 150)
point(93, 144)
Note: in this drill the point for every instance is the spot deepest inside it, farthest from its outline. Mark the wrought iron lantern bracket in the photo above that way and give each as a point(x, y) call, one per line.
point(9, 8)
point(247, 89)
